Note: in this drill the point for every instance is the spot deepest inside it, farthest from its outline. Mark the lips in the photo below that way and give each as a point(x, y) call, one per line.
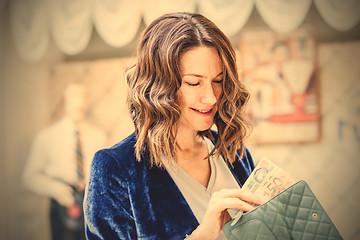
point(204, 112)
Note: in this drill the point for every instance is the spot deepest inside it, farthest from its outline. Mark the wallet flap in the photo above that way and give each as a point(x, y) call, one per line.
point(295, 212)
point(253, 229)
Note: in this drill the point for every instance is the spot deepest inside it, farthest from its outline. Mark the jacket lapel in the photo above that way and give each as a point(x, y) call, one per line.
point(174, 215)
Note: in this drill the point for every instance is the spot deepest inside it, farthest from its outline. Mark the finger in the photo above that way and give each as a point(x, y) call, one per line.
point(241, 194)
point(220, 205)
point(239, 204)
point(69, 189)
point(251, 197)
point(69, 201)
point(66, 201)
point(80, 186)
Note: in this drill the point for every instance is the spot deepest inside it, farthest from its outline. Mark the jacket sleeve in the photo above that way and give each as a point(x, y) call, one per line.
point(244, 166)
point(107, 207)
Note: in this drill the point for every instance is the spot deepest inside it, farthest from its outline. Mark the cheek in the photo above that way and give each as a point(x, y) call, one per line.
point(180, 98)
point(185, 97)
point(218, 92)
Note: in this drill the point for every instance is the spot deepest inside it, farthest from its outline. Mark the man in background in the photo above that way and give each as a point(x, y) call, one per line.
point(59, 163)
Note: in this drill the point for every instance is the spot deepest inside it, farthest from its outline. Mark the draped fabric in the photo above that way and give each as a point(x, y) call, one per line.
point(29, 28)
point(341, 15)
point(117, 21)
point(283, 15)
point(71, 25)
point(155, 8)
point(229, 15)
point(70, 22)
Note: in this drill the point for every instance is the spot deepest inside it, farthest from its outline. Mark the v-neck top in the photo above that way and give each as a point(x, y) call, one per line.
point(197, 195)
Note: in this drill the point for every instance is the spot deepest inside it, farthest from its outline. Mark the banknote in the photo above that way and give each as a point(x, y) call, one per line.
point(267, 180)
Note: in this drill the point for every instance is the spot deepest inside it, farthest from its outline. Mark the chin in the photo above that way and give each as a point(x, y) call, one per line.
point(77, 118)
point(204, 128)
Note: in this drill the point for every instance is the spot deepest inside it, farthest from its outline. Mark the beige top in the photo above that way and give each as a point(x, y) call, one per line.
point(198, 196)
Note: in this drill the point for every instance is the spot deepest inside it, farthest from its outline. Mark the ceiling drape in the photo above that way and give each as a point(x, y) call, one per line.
point(70, 22)
point(283, 15)
point(341, 15)
point(116, 21)
point(155, 8)
point(229, 15)
point(30, 29)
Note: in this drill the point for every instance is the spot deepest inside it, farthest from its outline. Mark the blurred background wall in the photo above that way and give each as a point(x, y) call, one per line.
point(40, 53)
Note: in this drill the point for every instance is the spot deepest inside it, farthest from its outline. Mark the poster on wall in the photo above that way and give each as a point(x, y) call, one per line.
point(279, 70)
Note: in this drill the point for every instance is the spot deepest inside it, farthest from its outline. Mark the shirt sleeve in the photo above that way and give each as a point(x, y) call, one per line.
point(34, 176)
point(107, 207)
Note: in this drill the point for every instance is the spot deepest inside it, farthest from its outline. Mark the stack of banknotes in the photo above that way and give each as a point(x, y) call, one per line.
point(266, 180)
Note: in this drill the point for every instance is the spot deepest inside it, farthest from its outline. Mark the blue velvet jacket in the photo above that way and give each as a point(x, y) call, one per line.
point(128, 199)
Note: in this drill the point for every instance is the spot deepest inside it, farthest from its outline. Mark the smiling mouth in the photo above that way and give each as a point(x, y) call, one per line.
point(202, 111)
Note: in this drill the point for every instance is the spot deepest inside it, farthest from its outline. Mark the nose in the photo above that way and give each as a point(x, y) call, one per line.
point(208, 95)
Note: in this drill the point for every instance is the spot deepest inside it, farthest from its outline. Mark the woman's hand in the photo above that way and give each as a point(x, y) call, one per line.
point(216, 215)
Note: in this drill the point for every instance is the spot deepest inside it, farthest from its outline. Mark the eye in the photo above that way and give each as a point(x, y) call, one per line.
point(218, 81)
point(192, 84)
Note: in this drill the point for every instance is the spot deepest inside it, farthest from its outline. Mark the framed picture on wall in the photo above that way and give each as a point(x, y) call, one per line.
point(279, 70)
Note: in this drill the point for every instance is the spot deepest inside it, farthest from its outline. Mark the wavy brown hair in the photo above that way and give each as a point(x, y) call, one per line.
point(155, 79)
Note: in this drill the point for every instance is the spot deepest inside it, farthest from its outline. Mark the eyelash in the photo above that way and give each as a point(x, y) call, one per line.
point(192, 84)
point(196, 84)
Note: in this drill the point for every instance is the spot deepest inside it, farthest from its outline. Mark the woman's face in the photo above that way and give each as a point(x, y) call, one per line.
point(201, 88)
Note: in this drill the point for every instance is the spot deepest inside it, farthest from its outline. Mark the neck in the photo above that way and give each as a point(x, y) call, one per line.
point(192, 154)
point(188, 140)
point(76, 122)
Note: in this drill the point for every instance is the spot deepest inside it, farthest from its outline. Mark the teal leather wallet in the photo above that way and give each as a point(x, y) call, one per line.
point(295, 213)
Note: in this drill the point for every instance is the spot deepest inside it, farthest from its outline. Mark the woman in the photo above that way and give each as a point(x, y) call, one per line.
point(174, 178)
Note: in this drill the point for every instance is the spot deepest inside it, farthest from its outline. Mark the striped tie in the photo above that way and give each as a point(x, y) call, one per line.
point(79, 158)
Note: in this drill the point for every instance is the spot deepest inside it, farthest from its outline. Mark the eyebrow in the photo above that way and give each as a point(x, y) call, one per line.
point(200, 76)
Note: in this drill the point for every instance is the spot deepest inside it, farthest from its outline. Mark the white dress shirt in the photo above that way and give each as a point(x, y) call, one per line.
point(52, 160)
